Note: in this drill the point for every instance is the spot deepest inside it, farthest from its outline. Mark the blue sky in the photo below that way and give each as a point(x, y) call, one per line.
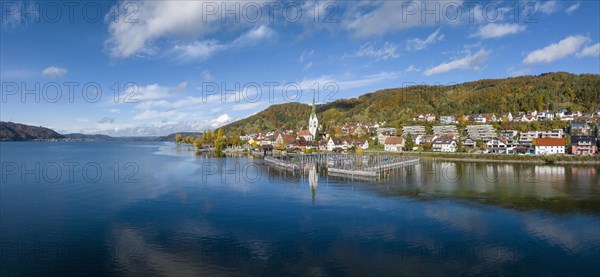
point(157, 67)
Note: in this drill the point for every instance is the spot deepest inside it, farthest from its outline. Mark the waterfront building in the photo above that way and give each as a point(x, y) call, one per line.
point(549, 146)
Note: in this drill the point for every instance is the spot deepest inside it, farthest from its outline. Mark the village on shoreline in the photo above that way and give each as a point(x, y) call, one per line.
point(506, 137)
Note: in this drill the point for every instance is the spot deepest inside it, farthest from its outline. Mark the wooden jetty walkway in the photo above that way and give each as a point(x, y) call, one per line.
point(365, 165)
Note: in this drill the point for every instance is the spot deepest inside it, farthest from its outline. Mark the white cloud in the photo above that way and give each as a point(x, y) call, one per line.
point(469, 62)
point(220, 121)
point(348, 82)
point(154, 20)
point(306, 55)
point(159, 128)
point(178, 20)
point(412, 68)
point(54, 71)
point(304, 58)
point(114, 110)
point(495, 30)
point(417, 44)
point(149, 92)
point(253, 36)
point(83, 120)
point(556, 51)
point(203, 50)
point(381, 17)
point(548, 7)
point(207, 76)
point(153, 114)
point(571, 9)
point(590, 51)
point(388, 51)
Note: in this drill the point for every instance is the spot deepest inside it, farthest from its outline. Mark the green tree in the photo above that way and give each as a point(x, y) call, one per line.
point(479, 143)
point(409, 144)
point(459, 145)
point(220, 144)
point(198, 143)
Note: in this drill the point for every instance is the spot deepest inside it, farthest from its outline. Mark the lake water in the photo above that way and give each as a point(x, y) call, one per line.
point(143, 209)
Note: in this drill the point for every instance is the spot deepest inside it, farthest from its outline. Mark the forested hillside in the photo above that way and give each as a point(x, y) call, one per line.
point(397, 106)
point(10, 131)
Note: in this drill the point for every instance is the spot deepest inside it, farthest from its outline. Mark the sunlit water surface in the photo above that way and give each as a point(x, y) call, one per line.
point(143, 209)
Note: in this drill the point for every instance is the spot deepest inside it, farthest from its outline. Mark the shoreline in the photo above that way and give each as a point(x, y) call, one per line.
point(480, 158)
point(528, 159)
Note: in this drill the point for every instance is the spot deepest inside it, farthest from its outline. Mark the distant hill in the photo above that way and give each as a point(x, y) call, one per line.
point(171, 137)
point(10, 131)
point(85, 137)
point(98, 137)
point(397, 106)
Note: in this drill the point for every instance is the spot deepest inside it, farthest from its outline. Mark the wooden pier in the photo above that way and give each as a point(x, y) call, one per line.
point(350, 165)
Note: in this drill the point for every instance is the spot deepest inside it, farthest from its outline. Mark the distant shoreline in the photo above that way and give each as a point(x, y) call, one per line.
point(464, 157)
point(530, 159)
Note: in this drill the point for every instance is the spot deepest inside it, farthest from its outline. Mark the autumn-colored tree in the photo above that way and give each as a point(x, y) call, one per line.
point(178, 138)
point(198, 143)
point(211, 135)
point(220, 145)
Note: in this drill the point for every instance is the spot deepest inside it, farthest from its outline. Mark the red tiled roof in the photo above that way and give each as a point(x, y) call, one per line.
point(549, 142)
point(304, 133)
point(394, 140)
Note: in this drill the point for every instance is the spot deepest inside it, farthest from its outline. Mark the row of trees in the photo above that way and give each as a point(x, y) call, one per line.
point(217, 140)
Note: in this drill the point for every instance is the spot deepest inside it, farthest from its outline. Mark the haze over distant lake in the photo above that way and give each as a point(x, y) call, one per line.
point(152, 208)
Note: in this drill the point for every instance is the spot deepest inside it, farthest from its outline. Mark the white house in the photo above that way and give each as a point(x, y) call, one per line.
point(555, 133)
point(444, 144)
point(478, 118)
point(549, 146)
point(362, 143)
point(384, 133)
point(545, 115)
point(426, 117)
point(334, 143)
point(497, 146)
point(526, 138)
point(447, 119)
point(508, 117)
point(394, 144)
point(306, 134)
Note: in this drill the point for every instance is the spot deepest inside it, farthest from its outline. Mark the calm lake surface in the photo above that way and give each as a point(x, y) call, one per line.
point(144, 209)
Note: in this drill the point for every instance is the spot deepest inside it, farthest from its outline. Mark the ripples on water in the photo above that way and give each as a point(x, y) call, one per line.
point(183, 214)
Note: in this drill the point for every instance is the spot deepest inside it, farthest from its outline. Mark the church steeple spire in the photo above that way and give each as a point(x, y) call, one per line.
point(313, 122)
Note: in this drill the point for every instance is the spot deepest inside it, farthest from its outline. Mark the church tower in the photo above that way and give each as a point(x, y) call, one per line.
point(313, 122)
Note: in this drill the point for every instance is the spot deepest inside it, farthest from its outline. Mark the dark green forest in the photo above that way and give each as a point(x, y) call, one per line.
point(397, 106)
